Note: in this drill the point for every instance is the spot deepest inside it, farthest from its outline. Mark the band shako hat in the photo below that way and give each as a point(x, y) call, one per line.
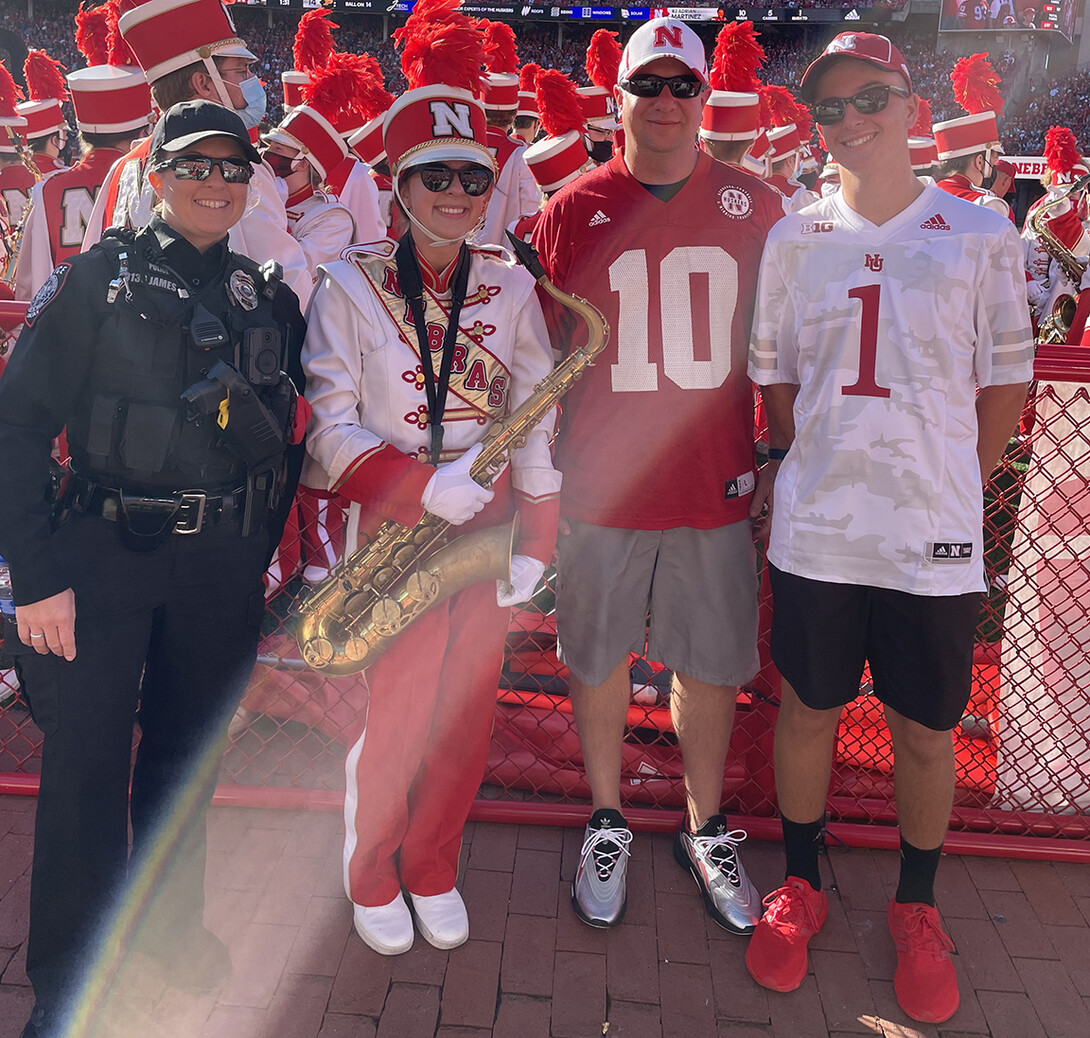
point(111, 95)
point(311, 48)
point(561, 155)
point(876, 50)
point(501, 62)
point(1062, 157)
point(47, 91)
point(923, 153)
point(603, 62)
point(10, 119)
point(528, 91)
point(732, 109)
point(976, 89)
point(167, 35)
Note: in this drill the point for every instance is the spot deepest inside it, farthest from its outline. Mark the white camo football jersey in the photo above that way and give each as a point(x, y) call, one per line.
point(888, 330)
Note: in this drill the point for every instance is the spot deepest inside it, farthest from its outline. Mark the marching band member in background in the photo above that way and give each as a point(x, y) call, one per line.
point(46, 132)
point(189, 50)
point(731, 120)
point(527, 117)
point(17, 175)
point(379, 422)
point(113, 109)
point(599, 103)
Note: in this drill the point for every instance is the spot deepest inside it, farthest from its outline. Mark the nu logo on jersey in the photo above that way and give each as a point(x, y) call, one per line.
point(735, 202)
point(874, 262)
point(451, 119)
point(667, 36)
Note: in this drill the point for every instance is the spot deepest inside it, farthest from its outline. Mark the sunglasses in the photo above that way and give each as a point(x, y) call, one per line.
point(436, 176)
point(866, 102)
point(199, 167)
point(647, 85)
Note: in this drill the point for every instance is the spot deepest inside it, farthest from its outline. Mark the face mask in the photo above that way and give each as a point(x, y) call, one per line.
point(601, 151)
point(253, 93)
point(282, 165)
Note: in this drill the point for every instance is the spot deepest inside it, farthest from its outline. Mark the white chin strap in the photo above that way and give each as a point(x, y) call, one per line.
point(436, 242)
point(221, 87)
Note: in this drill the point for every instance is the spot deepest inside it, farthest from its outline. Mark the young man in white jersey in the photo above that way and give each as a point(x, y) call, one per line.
point(881, 311)
point(658, 459)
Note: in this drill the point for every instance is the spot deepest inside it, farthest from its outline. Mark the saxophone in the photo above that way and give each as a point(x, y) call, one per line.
point(402, 572)
point(1053, 329)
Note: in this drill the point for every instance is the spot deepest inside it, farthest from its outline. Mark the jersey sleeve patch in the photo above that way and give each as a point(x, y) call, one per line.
point(47, 293)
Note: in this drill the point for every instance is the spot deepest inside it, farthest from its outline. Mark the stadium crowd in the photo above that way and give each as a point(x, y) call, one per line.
point(1051, 101)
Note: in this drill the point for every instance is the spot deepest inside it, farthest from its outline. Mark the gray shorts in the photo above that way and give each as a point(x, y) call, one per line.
point(689, 597)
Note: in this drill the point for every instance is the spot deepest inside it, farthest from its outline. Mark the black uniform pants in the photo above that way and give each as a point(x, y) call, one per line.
point(175, 631)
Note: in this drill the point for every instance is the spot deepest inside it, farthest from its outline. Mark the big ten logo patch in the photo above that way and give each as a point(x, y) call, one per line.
point(818, 227)
point(451, 119)
point(735, 202)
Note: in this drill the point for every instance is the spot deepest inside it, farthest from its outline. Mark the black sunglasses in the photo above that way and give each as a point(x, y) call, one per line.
point(436, 176)
point(867, 102)
point(199, 167)
point(649, 85)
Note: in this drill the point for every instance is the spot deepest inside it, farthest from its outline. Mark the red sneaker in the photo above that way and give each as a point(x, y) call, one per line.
point(925, 981)
point(776, 955)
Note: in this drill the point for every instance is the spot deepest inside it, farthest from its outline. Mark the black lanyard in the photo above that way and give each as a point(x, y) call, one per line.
point(412, 288)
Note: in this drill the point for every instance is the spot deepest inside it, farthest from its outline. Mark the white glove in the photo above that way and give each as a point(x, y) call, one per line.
point(452, 494)
point(526, 571)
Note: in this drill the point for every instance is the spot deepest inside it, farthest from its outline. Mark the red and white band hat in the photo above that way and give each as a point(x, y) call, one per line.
point(501, 91)
point(756, 159)
point(783, 142)
point(315, 136)
point(293, 82)
point(110, 98)
point(599, 107)
point(43, 118)
point(829, 171)
point(923, 153)
point(556, 161)
point(527, 105)
point(367, 143)
point(9, 125)
point(966, 136)
point(166, 35)
point(436, 124)
point(731, 116)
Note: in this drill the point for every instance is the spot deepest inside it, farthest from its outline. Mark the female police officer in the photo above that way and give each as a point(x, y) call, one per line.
point(162, 354)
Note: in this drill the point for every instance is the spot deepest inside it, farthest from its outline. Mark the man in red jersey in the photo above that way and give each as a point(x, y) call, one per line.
point(658, 458)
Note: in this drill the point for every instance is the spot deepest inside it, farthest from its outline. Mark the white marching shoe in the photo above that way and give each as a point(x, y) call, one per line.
point(387, 928)
point(441, 918)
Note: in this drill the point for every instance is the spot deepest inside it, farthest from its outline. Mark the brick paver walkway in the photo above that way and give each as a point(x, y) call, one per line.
point(531, 970)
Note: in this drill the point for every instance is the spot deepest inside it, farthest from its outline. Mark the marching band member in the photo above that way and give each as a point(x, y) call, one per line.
point(17, 176)
point(379, 421)
point(527, 116)
point(599, 104)
point(46, 132)
point(731, 120)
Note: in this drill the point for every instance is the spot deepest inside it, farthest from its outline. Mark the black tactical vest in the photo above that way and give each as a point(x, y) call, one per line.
point(131, 428)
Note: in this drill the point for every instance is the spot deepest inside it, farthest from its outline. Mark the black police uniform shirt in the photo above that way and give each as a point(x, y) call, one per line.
point(49, 382)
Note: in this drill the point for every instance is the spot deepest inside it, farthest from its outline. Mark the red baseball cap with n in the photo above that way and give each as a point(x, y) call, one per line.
point(863, 46)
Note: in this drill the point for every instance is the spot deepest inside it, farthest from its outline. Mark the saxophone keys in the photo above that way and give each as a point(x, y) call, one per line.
point(422, 586)
point(387, 617)
point(318, 653)
point(356, 649)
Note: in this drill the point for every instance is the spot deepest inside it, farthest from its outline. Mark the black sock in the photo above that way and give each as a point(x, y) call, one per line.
point(918, 868)
point(802, 842)
point(607, 818)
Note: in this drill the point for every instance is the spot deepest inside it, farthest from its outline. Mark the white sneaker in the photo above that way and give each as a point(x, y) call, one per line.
point(387, 928)
point(441, 918)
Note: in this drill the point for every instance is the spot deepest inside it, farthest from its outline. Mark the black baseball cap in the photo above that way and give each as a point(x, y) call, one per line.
point(188, 122)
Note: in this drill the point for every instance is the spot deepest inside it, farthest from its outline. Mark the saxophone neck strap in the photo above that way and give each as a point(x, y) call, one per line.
point(412, 288)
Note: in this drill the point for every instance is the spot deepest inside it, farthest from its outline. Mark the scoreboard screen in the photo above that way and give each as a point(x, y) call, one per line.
point(1009, 16)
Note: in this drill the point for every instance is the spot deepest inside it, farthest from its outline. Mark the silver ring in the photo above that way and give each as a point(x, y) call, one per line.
point(37, 635)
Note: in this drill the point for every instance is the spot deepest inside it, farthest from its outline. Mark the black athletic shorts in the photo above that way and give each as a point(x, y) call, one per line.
point(920, 647)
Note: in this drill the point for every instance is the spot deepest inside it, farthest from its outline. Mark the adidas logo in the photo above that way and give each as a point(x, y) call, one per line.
point(598, 218)
point(851, 16)
point(936, 223)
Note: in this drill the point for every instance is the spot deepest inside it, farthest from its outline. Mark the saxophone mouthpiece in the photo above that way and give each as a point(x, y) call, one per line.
point(526, 254)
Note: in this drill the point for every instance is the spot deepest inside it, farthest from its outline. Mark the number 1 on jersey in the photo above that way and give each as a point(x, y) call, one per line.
point(865, 384)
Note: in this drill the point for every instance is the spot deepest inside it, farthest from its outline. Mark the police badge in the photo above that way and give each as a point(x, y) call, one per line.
point(241, 291)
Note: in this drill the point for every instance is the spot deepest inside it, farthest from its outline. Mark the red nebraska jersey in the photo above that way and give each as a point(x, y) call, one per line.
point(68, 198)
point(659, 432)
point(15, 184)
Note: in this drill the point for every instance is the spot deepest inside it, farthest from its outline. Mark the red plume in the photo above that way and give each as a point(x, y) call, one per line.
point(1061, 150)
point(976, 85)
point(736, 58)
point(93, 33)
point(441, 46)
point(44, 77)
point(804, 121)
point(528, 76)
point(778, 107)
point(335, 89)
point(313, 45)
point(558, 103)
point(120, 52)
point(372, 98)
point(500, 48)
point(10, 92)
point(603, 61)
point(922, 126)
